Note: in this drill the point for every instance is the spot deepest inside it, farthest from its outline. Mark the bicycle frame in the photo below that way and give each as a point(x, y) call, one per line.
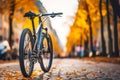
point(36, 45)
point(37, 33)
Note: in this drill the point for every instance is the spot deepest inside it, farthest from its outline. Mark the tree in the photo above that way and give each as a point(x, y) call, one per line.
point(12, 9)
point(115, 6)
point(90, 28)
point(109, 30)
point(77, 35)
point(82, 26)
point(8, 8)
point(102, 35)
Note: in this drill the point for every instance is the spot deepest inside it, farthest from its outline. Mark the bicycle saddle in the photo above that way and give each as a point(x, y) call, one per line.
point(29, 14)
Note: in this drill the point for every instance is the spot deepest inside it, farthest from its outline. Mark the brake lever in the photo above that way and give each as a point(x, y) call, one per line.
point(59, 16)
point(52, 16)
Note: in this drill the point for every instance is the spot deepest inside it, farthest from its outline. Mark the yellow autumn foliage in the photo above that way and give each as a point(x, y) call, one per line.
point(28, 23)
point(23, 6)
point(79, 32)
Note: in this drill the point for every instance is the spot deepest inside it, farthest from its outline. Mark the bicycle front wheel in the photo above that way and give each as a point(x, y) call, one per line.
point(46, 56)
point(25, 51)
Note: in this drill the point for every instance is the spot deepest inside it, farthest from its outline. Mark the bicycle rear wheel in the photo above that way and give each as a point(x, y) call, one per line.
point(46, 56)
point(25, 51)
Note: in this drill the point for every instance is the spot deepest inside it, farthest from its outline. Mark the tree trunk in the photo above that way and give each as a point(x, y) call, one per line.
point(10, 22)
point(90, 28)
point(102, 35)
point(115, 5)
point(86, 48)
point(109, 30)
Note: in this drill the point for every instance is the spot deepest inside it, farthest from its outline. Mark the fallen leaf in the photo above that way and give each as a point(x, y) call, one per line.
point(59, 78)
point(84, 69)
point(35, 73)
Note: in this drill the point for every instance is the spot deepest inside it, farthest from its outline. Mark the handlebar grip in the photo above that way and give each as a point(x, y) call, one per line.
point(57, 13)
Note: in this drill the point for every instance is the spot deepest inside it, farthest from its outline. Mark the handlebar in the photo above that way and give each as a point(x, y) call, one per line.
point(52, 14)
point(32, 14)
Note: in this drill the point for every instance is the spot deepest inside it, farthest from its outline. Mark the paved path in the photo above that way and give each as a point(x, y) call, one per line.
point(67, 69)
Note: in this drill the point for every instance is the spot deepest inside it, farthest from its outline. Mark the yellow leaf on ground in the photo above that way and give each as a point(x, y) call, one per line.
point(59, 78)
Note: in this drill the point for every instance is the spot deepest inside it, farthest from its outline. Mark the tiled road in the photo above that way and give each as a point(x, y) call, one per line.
point(69, 69)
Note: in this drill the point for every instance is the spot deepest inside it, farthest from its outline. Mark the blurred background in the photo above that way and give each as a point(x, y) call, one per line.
point(87, 28)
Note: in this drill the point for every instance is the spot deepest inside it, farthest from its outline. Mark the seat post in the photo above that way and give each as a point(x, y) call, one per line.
point(33, 26)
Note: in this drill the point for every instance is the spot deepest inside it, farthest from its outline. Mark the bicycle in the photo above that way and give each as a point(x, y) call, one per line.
point(35, 46)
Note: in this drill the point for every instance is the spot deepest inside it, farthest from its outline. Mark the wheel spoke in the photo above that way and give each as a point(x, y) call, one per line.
point(26, 64)
point(28, 50)
point(46, 54)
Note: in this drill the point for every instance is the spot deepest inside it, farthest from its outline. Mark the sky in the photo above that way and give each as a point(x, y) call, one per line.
point(62, 24)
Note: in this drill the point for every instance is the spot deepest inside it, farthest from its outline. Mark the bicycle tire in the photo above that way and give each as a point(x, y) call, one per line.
point(50, 49)
point(22, 53)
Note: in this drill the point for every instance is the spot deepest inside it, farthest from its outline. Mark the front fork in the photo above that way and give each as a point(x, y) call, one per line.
point(42, 31)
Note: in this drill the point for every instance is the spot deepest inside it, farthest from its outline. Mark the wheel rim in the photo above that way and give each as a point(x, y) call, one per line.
point(46, 54)
point(27, 53)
